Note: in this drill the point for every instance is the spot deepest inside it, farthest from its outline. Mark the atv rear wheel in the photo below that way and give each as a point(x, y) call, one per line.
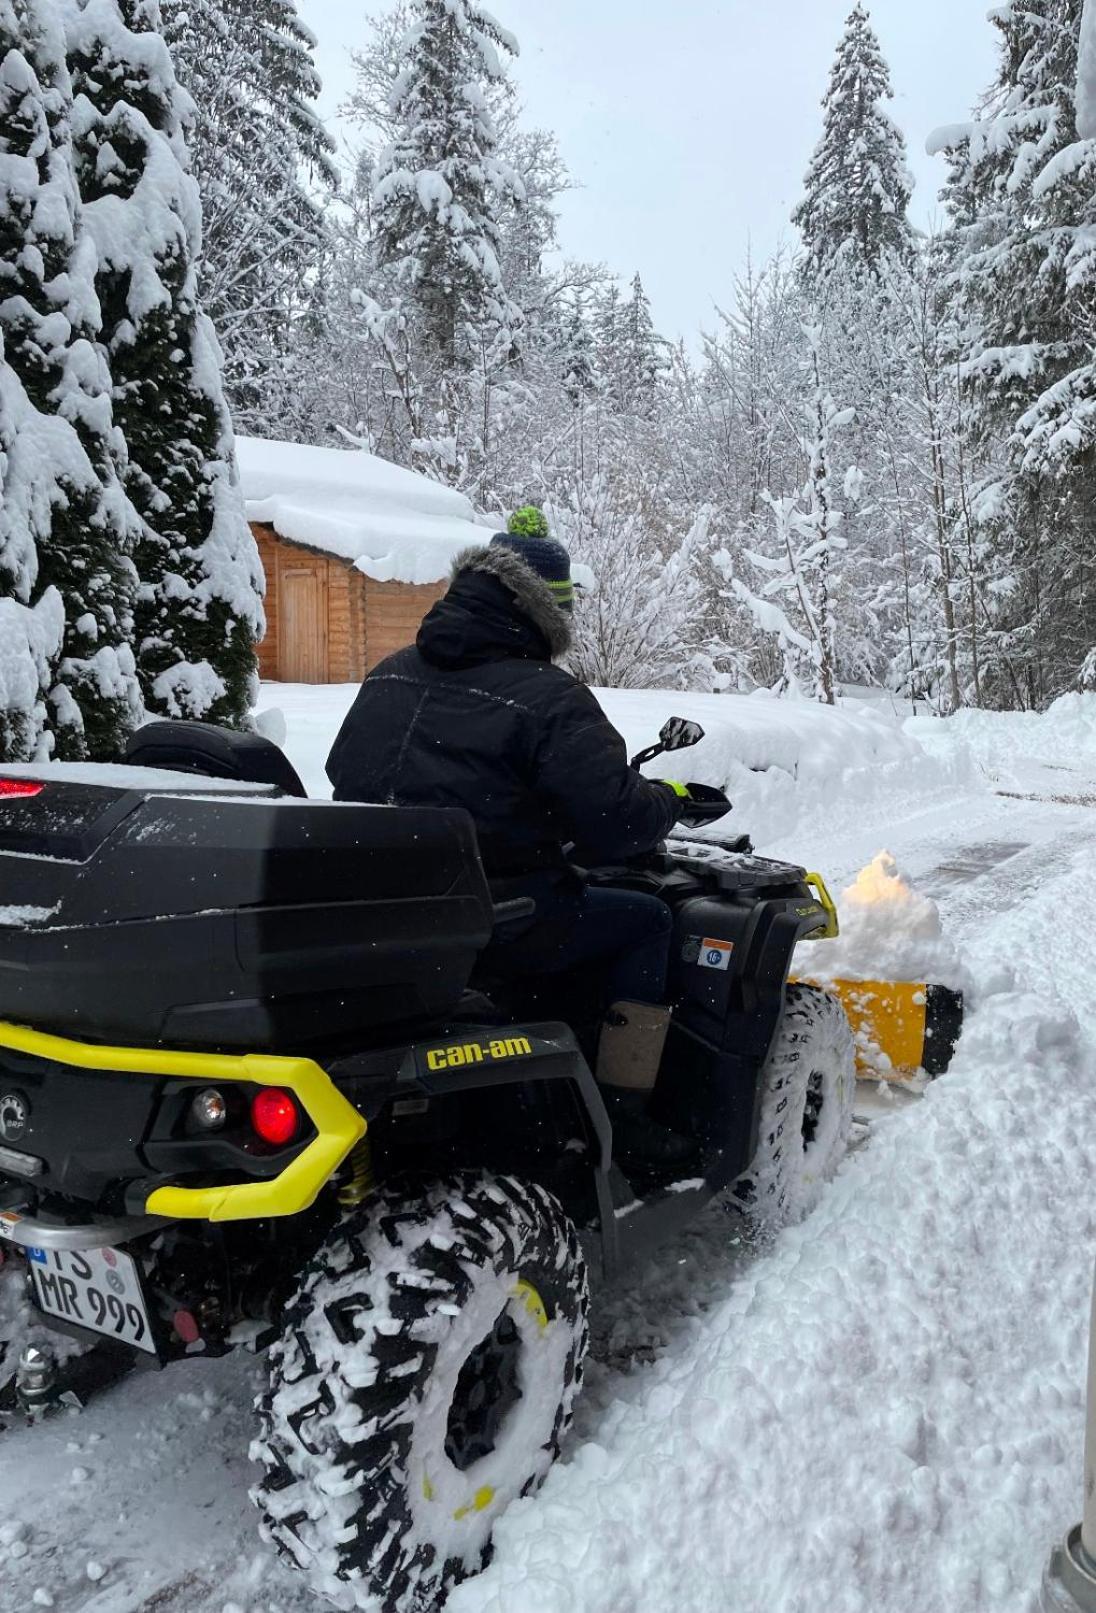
point(806, 1110)
point(424, 1380)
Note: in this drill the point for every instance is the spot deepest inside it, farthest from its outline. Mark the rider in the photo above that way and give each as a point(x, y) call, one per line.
point(476, 714)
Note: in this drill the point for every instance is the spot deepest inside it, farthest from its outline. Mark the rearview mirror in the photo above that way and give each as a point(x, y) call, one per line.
point(678, 733)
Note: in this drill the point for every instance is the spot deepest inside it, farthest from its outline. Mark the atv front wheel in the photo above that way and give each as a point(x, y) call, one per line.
point(424, 1380)
point(806, 1110)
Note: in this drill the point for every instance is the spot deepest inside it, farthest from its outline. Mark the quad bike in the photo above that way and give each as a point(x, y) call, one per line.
point(252, 1089)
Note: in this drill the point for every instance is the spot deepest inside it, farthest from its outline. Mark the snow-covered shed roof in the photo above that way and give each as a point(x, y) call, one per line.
point(391, 523)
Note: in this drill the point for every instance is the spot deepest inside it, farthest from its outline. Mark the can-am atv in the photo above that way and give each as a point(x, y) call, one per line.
point(251, 1088)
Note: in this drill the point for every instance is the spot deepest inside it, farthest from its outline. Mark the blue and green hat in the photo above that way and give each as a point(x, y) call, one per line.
point(529, 537)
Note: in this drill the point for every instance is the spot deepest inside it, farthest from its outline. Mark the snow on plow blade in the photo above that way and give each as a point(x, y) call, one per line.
point(900, 1029)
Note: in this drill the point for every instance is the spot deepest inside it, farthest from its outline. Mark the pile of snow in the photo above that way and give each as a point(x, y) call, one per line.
point(1071, 724)
point(889, 931)
point(391, 523)
point(1019, 750)
point(784, 763)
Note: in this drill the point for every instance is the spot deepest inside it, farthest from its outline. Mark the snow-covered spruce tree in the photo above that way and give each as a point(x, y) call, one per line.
point(642, 352)
point(632, 358)
point(607, 316)
point(30, 633)
point(857, 188)
point(857, 241)
point(855, 230)
point(439, 183)
point(1023, 197)
point(258, 150)
point(49, 316)
point(576, 350)
point(478, 423)
point(199, 601)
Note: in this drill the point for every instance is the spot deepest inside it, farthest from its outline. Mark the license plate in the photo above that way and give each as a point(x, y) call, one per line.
point(96, 1288)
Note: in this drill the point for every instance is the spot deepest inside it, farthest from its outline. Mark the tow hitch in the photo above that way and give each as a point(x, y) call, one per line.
point(42, 1387)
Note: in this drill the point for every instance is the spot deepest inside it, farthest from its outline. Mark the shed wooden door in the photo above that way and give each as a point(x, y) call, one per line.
point(303, 647)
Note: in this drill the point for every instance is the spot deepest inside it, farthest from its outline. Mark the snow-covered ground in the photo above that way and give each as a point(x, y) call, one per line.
point(880, 1412)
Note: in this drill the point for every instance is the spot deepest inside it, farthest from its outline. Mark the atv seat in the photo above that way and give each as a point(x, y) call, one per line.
point(224, 753)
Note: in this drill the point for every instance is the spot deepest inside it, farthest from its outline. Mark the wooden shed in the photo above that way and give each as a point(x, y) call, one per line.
point(355, 552)
point(327, 622)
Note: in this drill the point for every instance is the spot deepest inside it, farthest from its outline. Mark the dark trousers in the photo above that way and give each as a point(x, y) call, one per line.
point(623, 935)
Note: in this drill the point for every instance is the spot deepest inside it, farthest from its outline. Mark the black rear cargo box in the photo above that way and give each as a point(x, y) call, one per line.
point(144, 907)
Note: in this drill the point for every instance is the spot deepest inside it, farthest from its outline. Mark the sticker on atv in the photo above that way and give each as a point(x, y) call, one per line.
point(715, 954)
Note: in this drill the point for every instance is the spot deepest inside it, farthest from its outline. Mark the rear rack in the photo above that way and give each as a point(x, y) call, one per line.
point(734, 870)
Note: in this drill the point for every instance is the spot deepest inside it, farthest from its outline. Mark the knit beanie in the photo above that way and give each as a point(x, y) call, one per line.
point(528, 537)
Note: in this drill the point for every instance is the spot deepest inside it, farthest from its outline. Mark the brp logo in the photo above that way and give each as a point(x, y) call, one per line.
point(14, 1116)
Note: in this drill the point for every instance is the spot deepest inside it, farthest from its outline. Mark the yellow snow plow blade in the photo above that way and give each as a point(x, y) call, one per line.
point(901, 1030)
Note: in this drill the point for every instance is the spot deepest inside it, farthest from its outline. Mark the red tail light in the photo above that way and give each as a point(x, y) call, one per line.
point(275, 1116)
point(11, 787)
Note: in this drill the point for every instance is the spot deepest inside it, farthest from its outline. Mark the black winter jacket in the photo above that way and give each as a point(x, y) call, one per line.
point(475, 715)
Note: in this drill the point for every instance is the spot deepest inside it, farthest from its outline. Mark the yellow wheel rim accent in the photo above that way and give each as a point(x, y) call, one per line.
point(527, 1296)
point(479, 1503)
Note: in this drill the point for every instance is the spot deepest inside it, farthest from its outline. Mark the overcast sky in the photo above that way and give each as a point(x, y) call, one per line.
point(689, 126)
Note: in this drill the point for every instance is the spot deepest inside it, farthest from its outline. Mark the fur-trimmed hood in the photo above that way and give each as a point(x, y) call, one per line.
point(531, 594)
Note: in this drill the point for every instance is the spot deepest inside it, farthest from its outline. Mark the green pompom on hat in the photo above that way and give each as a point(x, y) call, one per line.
point(529, 522)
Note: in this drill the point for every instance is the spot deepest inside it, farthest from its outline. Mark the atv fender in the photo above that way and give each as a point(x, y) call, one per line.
point(479, 1057)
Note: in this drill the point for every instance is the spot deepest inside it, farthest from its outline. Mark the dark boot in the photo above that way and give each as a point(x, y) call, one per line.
point(640, 1143)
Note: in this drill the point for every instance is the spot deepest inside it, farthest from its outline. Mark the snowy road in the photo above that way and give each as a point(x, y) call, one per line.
point(881, 1413)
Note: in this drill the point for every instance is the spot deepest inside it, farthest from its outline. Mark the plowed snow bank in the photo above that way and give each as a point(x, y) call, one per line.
point(783, 762)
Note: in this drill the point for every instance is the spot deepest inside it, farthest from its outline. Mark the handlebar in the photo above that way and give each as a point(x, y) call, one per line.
point(706, 804)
